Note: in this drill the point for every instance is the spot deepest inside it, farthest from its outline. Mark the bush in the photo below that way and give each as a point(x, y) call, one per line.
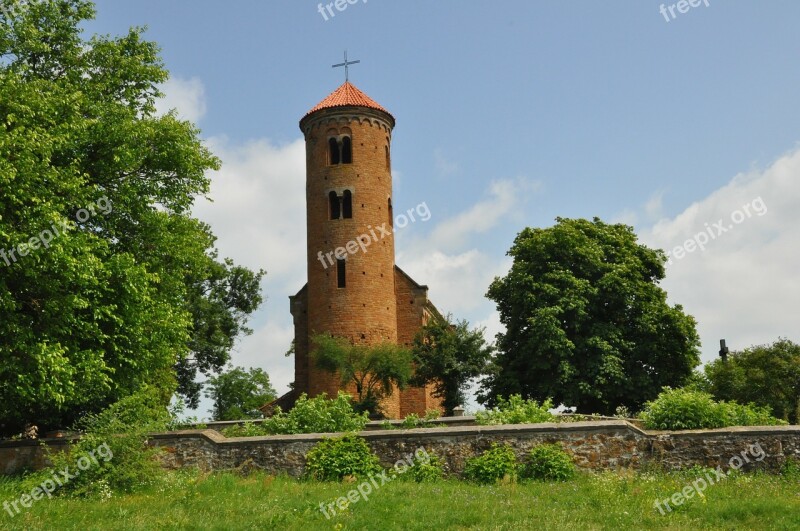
point(749, 415)
point(549, 462)
point(335, 459)
point(430, 470)
point(413, 420)
point(495, 464)
point(515, 410)
point(246, 429)
point(309, 415)
point(683, 409)
point(791, 469)
point(112, 454)
point(318, 415)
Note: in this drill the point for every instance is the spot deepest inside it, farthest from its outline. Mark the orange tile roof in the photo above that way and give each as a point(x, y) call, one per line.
point(345, 96)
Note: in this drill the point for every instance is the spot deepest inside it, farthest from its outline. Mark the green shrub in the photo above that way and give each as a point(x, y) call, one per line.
point(549, 462)
point(515, 410)
point(246, 429)
point(791, 468)
point(623, 412)
point(413, 420)
point(495, 464)
point(318, 415)
point(748, 415)
point(309, 415)
point(684, 409)
point(335, 459)
point(112, 454)
point(425, 471)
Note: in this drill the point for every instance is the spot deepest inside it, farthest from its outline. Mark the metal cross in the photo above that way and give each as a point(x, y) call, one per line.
point(346, 66)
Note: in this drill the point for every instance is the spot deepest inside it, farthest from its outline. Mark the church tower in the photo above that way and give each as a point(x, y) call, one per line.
point(354, 288)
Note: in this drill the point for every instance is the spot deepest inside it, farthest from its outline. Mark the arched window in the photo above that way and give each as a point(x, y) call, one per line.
point(347, 205)
point(347, 150)
point(333, 199)
point(340, 271)
point(391, 217)
point(333, 151)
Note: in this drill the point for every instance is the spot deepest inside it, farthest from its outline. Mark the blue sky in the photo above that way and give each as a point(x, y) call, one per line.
point(509, 114)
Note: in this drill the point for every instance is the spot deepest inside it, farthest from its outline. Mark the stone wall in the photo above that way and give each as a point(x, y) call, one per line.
point(595, 445)
point(18, 456)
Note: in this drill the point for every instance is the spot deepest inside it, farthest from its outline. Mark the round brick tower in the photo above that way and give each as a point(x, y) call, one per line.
point(351, 267)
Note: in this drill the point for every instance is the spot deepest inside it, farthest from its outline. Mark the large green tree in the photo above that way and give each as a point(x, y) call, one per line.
point(374, 370)
point(449, 355)
point(238, 393)
point(106, 281)
point(767, 375)
point(586, 321)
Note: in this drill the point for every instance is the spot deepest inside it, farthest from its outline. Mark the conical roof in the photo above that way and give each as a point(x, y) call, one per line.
point(348, 95)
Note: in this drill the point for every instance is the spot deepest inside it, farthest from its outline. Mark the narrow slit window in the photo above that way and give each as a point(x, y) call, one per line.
point(391, 217)
point(347, 205)
point(347, 150)
point(333, 151)
point(333, 199)
point(340, 273)
point(388, 159)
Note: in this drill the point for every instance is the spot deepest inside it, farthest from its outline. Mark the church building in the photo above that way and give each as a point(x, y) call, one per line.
point(354, 290)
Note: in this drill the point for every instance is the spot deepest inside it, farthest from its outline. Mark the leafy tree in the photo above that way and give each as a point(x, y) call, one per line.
point(372, 369)
point(586, 322)
point(449, 355)
point(238, 393)
point(766, 375)
point(106, 281)
point(221, 297)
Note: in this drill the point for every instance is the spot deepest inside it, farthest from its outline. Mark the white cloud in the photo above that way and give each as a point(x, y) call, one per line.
point(258, 215)
point(188, 96)
point(450, 260)
point(457, 282)
point(654, 207)
point(444, 166)
point(259, 208)
point(744, 285)
point(505, 198)
point(653, 211)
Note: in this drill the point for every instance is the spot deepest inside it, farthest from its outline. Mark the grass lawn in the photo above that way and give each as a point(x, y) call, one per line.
point(604, 501)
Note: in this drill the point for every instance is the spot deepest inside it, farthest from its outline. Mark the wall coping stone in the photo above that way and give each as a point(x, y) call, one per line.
point(499, 429)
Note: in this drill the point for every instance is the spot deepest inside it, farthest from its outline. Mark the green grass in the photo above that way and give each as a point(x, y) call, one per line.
point(604, 501)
